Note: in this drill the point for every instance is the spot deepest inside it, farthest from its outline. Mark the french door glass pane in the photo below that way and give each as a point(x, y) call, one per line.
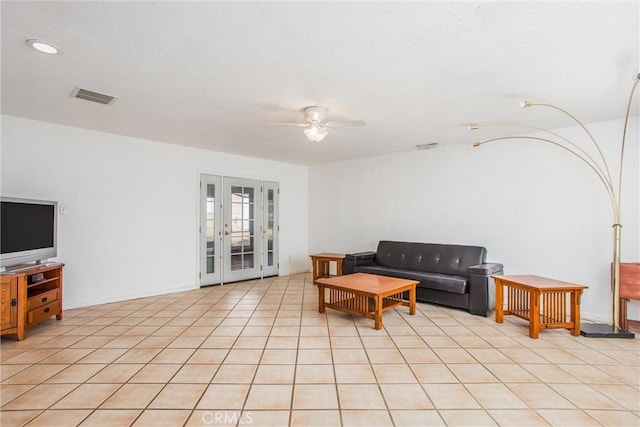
point(242, 227)
point(270, 214)
point(210, 227)
point(248, 261)
point(236, 262)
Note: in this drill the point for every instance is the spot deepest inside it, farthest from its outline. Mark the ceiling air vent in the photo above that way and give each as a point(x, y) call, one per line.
point(428, 146)
point(89, 95)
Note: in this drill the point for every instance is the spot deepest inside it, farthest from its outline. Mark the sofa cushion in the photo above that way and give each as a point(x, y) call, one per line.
point(439, 282)
point(430, 257)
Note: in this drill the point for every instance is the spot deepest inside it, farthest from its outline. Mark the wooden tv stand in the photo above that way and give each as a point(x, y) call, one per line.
point(26, 301)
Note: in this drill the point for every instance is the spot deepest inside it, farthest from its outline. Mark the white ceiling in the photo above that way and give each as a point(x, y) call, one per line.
point(211, 74)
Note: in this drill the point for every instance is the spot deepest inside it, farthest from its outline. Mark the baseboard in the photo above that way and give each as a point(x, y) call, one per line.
point(80, 304)
point(589, 317)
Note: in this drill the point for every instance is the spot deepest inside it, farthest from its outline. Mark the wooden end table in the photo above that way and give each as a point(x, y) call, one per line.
point(541, 301)
point(629, 289)
point(366, 295)
point(321, 264)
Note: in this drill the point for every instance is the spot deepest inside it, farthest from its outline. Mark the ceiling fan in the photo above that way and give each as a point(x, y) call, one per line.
point(316, 126)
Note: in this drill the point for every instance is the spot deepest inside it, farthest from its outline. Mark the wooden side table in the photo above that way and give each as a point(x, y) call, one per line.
point(321, 264)
point(629, 289)
point(541, 301)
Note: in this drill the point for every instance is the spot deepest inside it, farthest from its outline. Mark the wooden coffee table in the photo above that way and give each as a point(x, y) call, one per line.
point(541, 301)
point(366, 295)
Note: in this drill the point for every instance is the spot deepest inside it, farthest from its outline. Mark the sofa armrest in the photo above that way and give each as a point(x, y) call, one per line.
point(486, 269)
point(351, 261)
point(482, 290)
point(361, 256)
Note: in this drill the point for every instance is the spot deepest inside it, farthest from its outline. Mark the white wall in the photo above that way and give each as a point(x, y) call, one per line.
point(131, 226)
point(132, 205)
point(536, 208)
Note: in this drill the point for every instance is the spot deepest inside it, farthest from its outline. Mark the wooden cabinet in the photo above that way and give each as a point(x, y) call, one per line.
point(29, 296)
point(9, 303)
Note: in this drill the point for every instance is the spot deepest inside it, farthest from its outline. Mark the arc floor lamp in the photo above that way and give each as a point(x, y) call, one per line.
point(599, 165)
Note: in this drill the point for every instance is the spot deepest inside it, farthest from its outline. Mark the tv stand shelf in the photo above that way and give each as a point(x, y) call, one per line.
point(42, 282)
point(25, 304)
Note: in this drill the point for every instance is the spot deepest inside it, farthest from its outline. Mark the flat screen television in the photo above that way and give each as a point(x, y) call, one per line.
point(28, 231)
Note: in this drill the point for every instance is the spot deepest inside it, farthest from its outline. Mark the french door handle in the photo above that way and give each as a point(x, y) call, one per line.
point(226, 233)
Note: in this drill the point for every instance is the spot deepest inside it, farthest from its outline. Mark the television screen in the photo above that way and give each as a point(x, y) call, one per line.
point(27, 230)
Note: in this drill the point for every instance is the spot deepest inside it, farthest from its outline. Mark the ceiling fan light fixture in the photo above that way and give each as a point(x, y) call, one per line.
point(315, 133)
point(315, 124)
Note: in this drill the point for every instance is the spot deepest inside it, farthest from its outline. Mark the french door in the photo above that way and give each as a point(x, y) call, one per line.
point(242, 242)
point(238, 229)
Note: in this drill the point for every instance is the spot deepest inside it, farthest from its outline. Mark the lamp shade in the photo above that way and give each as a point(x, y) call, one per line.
point(315, 133)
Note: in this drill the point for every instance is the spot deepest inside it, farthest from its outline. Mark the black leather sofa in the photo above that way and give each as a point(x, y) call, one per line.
point(451, 275)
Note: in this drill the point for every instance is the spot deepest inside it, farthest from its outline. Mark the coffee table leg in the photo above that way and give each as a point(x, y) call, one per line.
point(320, 298)
point(575, 312)
point(378, 312)
point(534, 313)
point(412, 300)
point(499, 301)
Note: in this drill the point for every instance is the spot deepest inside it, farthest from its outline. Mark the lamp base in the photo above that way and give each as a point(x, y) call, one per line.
point(599, 330)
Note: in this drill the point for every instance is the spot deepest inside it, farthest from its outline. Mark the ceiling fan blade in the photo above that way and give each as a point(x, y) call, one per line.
point(289, 124)
point(346, 123)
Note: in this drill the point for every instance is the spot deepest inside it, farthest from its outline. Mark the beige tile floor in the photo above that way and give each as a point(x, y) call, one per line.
point(259, 353)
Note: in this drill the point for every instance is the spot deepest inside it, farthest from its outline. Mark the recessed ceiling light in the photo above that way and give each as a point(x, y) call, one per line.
point(42, 46)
